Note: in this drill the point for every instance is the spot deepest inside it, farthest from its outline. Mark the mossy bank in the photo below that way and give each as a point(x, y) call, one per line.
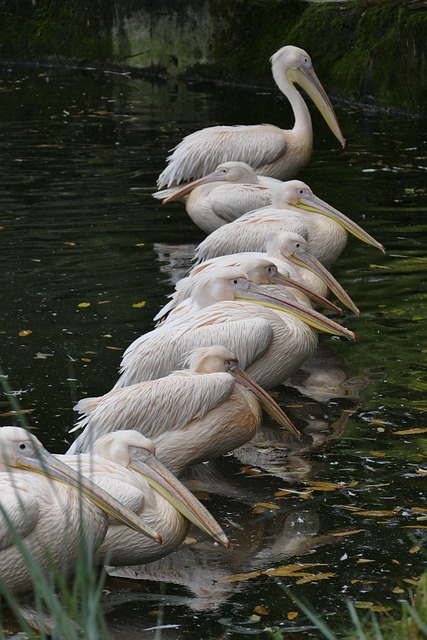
point(365, 50)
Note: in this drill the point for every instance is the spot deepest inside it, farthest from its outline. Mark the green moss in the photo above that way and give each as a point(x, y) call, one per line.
point(247, 32)
point(369, 45)
point(360, 48)
point(73, 29)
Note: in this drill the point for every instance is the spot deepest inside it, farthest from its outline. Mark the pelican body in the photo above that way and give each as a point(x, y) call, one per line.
point(234, 188)
point(271, 151)
point(124, 462)
point(270, 335)
point(295, 208)
point(191, 415)
point(295, 272)
point(49, 511)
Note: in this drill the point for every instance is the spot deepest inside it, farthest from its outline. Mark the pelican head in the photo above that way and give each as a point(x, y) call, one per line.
point(300, 195)
point(296, 66)
point(218, 358)
point(265, 272)
point(232, 171)
point(136, 452)
point(21, 450)
point(294, 248)
point(227, 284)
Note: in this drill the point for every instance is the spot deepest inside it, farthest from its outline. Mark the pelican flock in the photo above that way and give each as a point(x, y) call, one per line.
point(244, 320)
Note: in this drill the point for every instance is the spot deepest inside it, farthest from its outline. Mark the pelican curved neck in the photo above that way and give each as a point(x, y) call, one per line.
point(297, 102)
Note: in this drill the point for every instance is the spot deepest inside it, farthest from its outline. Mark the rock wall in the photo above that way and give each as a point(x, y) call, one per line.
point(365, 50)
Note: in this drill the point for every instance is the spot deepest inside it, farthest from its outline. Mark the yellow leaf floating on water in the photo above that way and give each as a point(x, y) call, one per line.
point(418, 510)
point(261, 610)
point(377, 514)
point(292, 615)
point(378, 421)
point(329, 486)
point(293, 569)
point(410, 432)
point(364, 560)
point(267, 505)
point(16, 413)
point(250, 471)
point(83, 305)
point(86, 359)
point(314, 577)
point(140, 244)
point(236, 577)
point(414, 549)
point(422, 472)
point(289, 570)
point(348, 533)
point(138, 305)
point(25, 332)
point(414, 581)
point(189, 540)
point(364, 605)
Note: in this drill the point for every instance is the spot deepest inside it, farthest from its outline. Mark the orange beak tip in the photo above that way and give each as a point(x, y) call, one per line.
point(228, 544)
point(159, 538)
point(383, 248)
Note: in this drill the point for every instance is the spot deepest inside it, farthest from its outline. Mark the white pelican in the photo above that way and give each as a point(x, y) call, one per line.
point(234, 188)
point(49, 511)
point(258, 268)
point(269, 150)
point(124, 463)
point(191, 415)
point(287, 263)
point(269, 335)
point(323, 227)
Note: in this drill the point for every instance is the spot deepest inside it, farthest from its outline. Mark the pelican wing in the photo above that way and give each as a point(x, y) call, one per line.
point(154, 355)
point(19, 511)
point(172, 401)
point(249, 233)
point(231, 201)
point(202, 151)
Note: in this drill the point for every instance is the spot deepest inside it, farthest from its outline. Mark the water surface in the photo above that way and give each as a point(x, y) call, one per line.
point(83, 244)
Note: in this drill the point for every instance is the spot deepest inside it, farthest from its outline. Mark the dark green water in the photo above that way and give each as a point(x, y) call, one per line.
point(80, 154)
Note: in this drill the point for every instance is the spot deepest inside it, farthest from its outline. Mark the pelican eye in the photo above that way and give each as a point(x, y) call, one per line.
point(230, 365)
point(22, 445)
point(297, 245)
point(271, 271)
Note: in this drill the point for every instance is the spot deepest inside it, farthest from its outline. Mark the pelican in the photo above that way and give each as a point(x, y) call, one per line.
point(323, 227)
point(259, 270)
point(234, 188)
point(270, 335)
point(191, 415)
point(286, 263)
point(271, 151)
point(124, 462)
point(48, 511)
